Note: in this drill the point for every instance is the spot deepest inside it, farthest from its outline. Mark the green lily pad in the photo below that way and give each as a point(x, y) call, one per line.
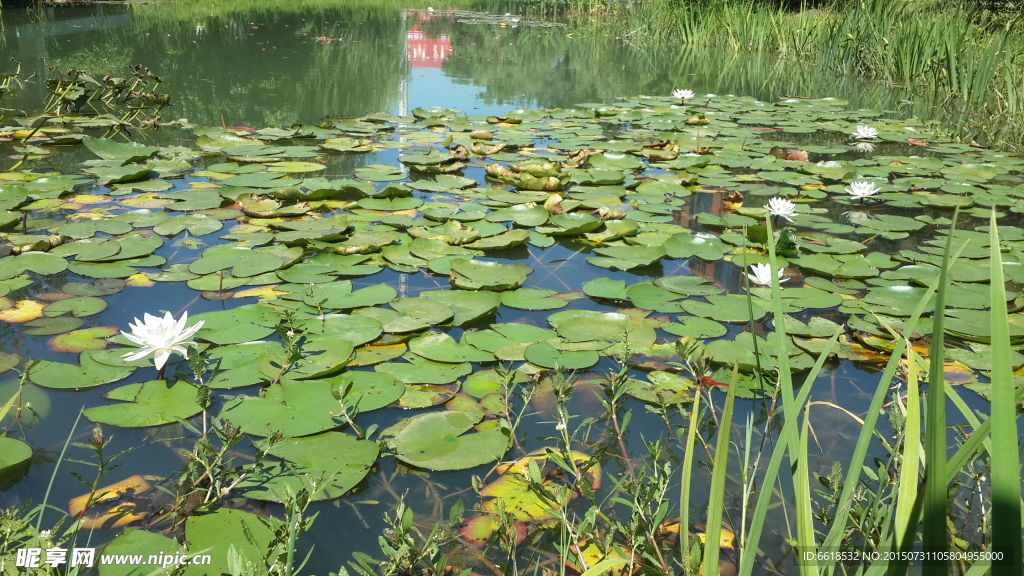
point(440, 347)
point(340, 296)
point(50, 326)
point(409, 314)
point(14, 454)
point(243, 262)
point(226, 530)
point(237, 364)
point(493, 276)
point(419, 370)
point(532, 299)
point(606, 288)
point(82, 340)
point(367, 391)
point(317, 357)
point(626, 257)
point(570, 224)
point(242, 324)
point(695, 327)
point(468, 306)
point(79, 307)
point(661, 388)
point(86, 374)
point(336, 462)
point(196, 224)
point(439, 441)
point(126, 152)
point(141, 542)
point(356, 329)
point(290, 408)
point(725, 308)
point(585, 326)
point(545, 355)
point(148, 404)
point(704, 246)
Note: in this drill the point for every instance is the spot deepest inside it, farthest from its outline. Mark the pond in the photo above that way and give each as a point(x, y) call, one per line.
point(405, 229)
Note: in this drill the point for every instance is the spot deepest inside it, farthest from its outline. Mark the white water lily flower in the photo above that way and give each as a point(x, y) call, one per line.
point(830, 164)
point(761, 274)
point(160, 337)
point(862, 189)
point(865, 132)
point(865, 146)
point(782, 208)
point(682, 94)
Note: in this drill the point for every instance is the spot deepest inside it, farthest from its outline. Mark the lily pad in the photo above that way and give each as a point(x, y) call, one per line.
point(419, 370)
point(86, 374)
point(545, 355)
point(290, 408)
point(336, 462)
point(218, 533)
point(439, 441)
point(14, 454)
point(440, 347)
point(532, 299)
point(493, 276)
point(148, 404)
point(82, 340)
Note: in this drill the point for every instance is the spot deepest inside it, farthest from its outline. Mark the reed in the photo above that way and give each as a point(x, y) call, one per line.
point(961, 53)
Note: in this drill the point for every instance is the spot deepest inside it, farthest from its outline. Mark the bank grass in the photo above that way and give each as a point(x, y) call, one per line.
point(960, 51)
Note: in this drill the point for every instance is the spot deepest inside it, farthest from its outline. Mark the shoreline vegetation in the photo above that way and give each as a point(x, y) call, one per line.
point(958, 55)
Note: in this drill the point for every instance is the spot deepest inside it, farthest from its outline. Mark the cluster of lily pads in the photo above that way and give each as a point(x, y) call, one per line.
point(644, 185)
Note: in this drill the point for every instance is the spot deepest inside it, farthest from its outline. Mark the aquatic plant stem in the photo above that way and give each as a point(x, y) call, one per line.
point(56, 468)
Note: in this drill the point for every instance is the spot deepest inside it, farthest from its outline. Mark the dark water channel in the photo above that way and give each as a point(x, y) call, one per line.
point(279, 65)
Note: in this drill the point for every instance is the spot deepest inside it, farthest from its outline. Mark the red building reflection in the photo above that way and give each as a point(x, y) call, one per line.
point(426, 52)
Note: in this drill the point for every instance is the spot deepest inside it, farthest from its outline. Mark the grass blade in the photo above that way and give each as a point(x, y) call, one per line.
point(935, 533)
point(911, 461)
point(749, 550)
point(684, 484)
point(802, 493)
point(1006, 484)
point(716, 504)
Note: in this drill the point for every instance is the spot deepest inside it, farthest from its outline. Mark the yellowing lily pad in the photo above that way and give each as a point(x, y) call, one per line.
point(84, 339)
point(20, 311)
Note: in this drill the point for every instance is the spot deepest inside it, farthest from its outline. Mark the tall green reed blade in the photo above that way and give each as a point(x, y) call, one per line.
point(684, 484)
point(802, 493)
point(935, 532)
point(749, 551)
point(1006, 484)
point(860, 450)
point(805, 529)
point(911, 459)
point(716, 504)
point(789, 437)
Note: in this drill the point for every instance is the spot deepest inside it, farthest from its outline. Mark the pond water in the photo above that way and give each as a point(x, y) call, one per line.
point(273, 67)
